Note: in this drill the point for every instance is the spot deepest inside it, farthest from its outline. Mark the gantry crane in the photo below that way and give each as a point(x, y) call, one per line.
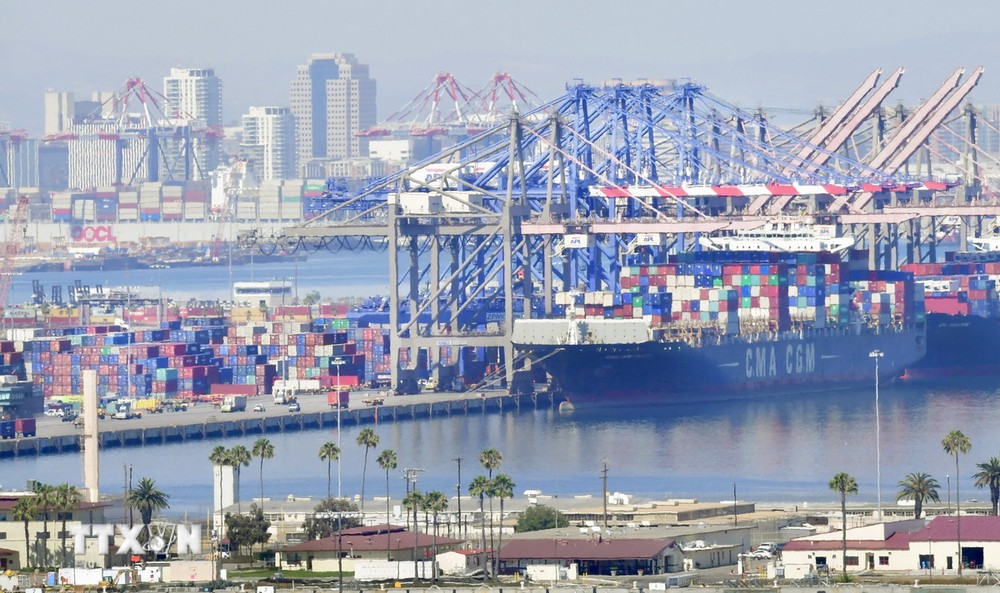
point(17, 232)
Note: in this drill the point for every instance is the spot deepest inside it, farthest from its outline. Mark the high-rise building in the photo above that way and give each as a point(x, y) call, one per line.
point(989, 129)
point(332, 98)
point(58, 111)
point(194, 95)
point(269, 141)
point(63, 110)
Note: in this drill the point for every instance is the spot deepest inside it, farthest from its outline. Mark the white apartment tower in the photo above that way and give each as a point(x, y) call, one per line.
point(332, 98)
point(59, 111)
point(196, 94)
point(269, 141)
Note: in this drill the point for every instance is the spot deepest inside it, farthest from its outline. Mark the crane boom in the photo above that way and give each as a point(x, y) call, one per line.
point(17, 230)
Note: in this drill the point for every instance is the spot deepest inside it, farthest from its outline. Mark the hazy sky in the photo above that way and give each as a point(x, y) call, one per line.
point(782, 53)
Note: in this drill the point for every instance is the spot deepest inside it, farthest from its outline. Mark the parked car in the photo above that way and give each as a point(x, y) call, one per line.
point(295, 407)
point(258, 408)
point(55, 412)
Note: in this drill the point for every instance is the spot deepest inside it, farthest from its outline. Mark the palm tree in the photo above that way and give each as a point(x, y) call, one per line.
point(954, 443)
point(844, 484)
point(478, 487)
point(66, 500)
point(989, 475)
point(918, 487)
point(220, 457)
point(502, 486)
point(146, 499)
point(25, 510)
point(369, 440)
point(387, 460)
point(329, 452)
point(239, 458)
point(434, 502)
point(412, 502)
point(491, 460)
point(262, 449)
point(44, 498)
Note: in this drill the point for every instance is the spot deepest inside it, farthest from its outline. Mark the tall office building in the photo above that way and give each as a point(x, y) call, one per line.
point(269, 141)
point(332, 98)
point(59, 111)
point(63, 109)
point(196, 94)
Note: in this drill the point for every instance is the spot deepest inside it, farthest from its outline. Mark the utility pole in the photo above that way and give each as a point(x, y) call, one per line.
point(458, 491)
point(604, 481)
point(734, 504)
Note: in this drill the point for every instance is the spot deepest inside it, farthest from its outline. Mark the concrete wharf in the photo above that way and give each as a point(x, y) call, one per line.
point(205, 421)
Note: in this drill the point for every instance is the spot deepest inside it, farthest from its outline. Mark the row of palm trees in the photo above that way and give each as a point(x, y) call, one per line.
point(62, 499)
point(920, 487)
point(500, 487)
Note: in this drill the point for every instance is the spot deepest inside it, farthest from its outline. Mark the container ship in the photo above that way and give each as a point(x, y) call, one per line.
point(730, 324)
point(963, 316)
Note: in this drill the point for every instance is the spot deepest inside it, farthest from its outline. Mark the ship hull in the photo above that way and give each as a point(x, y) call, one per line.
point(958, 345)
point(659, 372)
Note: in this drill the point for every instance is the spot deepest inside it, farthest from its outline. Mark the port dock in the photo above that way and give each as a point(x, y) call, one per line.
point(205, 421)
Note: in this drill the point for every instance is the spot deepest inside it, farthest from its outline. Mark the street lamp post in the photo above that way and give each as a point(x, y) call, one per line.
point(337, 362)
point(877, 354)
point(948, 478)
point(458, 488)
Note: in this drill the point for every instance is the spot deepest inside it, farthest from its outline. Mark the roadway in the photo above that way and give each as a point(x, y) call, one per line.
point(200, 413)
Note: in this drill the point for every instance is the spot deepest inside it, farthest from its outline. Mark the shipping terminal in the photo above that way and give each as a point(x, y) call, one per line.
point(588, 247)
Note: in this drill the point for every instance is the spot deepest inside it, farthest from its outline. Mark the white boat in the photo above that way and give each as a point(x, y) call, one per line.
point(782, 234)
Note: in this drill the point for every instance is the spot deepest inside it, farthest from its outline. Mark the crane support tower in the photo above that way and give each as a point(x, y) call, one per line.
point(17, 231)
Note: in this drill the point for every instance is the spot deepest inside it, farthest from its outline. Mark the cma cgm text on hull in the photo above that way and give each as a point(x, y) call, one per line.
point(664, 371)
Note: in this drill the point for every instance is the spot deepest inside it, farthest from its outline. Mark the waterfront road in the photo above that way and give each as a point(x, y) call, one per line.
point(311, 404)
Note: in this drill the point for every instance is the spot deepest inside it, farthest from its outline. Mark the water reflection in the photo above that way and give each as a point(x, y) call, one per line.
point(774, 449)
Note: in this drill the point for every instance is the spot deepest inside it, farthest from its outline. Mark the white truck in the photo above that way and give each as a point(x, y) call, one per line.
point(234, 403)
point(285, 391)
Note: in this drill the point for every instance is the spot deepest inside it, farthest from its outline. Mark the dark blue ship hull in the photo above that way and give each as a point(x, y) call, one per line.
point(959, 346)
point(729, 368)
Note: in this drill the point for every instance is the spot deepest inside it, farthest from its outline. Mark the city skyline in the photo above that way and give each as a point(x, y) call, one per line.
point(752, 55)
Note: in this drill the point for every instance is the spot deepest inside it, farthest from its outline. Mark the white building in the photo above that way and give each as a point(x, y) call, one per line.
point(196, 94)
point(900, 546)
point(59, 111)
point(269, 141)
point(270, 293)
point(332, 98)
point(46, 538)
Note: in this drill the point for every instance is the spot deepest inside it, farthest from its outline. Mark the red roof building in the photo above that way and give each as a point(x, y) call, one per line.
point(903, 546)
point(592, 556)
point(380, 542)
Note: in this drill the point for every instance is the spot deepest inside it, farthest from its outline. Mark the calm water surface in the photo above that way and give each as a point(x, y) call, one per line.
point(776, 449)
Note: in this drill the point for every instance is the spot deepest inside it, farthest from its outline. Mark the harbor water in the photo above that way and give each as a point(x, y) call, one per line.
point(333, 275)
point(781, 449)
